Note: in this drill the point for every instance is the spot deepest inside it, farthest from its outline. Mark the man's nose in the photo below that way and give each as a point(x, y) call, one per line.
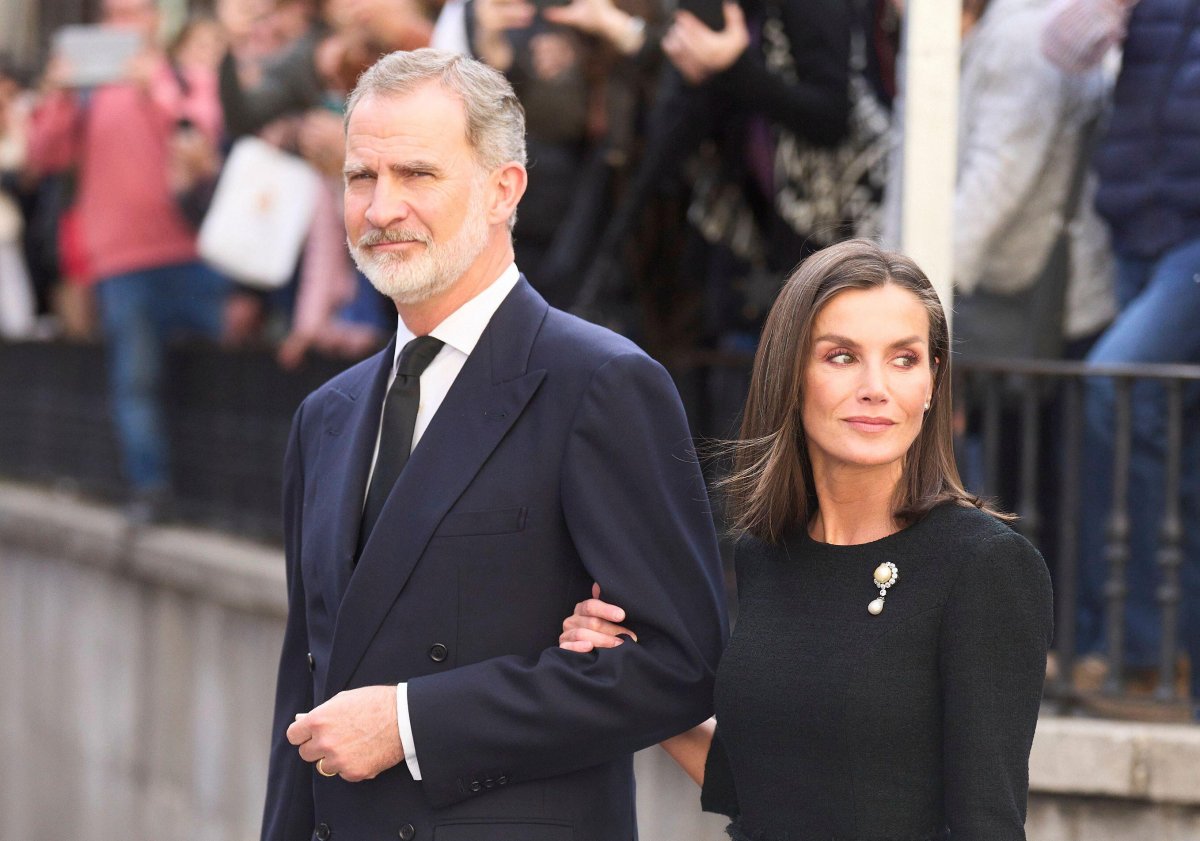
point(388, 206)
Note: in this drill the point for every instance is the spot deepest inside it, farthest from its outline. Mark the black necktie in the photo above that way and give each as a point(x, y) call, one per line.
point(396, 432)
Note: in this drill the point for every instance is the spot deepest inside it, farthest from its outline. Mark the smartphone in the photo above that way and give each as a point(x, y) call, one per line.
point(95, 54)
point(709, 12)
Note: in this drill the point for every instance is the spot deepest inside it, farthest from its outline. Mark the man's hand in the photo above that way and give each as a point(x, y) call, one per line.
point(354, 733)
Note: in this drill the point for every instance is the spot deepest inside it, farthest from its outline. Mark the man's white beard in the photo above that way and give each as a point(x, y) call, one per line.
point(411, 279)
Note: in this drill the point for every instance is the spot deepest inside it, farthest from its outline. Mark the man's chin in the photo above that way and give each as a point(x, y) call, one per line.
point(405, 291)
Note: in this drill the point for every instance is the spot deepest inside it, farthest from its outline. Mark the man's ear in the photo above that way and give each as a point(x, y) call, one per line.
point(508, 186)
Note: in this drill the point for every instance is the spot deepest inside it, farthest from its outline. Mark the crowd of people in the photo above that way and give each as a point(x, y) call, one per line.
point(681, 163)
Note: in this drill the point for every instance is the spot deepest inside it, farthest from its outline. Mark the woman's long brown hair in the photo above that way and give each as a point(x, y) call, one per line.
point(771, 488)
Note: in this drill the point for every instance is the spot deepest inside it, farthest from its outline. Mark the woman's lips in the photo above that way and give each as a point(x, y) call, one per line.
point(870, 424)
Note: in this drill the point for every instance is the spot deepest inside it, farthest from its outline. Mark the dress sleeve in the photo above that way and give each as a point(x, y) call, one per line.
point(995, 632)
point(718, 793)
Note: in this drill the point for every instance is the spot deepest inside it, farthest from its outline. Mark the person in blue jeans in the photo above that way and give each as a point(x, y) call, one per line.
point(1159, 322)
point(140, 311)
point(1148, 165)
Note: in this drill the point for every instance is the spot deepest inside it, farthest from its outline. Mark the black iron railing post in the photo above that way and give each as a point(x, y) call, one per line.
point(992, 382)
point(1065, 586)
point(1031, 516)
point(1170, 551)
point(1116, 550)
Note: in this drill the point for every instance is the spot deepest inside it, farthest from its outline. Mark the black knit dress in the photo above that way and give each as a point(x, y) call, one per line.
point(909, 725)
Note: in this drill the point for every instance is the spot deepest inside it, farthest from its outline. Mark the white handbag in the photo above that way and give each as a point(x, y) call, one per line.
point(260, 214)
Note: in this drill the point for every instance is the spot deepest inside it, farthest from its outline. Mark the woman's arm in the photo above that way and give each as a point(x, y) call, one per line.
point(690, 748)
point(996, 628)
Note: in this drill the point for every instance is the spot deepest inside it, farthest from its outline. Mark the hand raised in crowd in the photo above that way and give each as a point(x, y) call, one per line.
point(57, 75)
point(321, 140)
point(143, 67)
point(394, 24)
point(193, 157)
point(493, 20)
point(594, 625)
point(602, 19)
point(698, 52)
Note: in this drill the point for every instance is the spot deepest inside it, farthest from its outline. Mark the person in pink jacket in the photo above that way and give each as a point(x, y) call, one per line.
point(117, 138)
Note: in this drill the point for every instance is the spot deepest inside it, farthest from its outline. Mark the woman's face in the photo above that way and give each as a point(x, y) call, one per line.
point(867, 379)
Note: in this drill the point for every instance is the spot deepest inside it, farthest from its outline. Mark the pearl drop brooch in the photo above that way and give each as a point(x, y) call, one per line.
point(886, 575)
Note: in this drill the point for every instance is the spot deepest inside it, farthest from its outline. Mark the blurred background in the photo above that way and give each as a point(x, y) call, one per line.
point(174, 280)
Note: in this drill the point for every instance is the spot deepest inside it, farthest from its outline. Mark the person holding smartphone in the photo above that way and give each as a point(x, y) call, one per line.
point(116, 137)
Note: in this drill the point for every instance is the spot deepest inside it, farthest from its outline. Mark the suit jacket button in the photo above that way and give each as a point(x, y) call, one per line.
point(476, 785)
point(489, 783)
point(407, 832)
point(312, 662)
point(501, 780)
point(323, 832)
point(438, 652)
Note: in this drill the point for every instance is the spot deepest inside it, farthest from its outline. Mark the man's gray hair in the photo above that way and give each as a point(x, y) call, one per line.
point(495, 117)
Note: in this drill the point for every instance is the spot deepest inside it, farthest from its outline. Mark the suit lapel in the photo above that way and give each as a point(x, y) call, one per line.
point(487, 397)
point(351, 425)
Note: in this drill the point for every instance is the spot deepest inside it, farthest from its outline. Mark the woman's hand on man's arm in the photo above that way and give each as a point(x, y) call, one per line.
point(594, 625)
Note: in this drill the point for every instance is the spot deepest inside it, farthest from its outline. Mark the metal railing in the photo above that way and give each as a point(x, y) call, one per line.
point(1031, 393)
point(230, 415)
point(1029, 389)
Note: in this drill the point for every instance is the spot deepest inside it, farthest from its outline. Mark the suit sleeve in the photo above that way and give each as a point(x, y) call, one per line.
point(288, 814)
point(637, 510)
point(995, 633)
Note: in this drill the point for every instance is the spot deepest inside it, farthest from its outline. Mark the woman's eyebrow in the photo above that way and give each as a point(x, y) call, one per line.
point(836, 339)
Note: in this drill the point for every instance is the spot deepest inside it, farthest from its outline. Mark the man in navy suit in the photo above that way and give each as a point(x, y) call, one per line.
point(421, 692)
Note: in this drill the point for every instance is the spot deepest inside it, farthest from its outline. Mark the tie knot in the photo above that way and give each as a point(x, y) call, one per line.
point(416, 356)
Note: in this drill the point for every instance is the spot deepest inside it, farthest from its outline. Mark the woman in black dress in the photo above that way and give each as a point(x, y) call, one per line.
point(884, 676)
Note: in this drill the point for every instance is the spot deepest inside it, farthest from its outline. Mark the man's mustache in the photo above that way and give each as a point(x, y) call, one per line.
point(378, 236)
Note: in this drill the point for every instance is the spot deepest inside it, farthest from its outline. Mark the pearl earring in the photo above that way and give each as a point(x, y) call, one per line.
point(886, 575)
point(927, 405)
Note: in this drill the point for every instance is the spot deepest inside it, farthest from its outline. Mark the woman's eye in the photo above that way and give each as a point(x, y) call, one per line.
point(906, 361)
point(840, 357)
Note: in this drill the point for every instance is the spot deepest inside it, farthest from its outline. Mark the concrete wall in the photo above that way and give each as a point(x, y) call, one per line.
point(139, 682)
point(139, 678)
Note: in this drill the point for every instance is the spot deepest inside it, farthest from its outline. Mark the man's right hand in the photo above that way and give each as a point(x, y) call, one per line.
point(594, 625)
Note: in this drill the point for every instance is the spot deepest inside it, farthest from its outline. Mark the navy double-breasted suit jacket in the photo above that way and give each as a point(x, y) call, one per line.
point(559, 457)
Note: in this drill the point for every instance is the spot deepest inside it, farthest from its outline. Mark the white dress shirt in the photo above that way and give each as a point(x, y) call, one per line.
point(460, 331)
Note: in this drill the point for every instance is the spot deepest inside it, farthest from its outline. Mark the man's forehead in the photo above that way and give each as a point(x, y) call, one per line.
point(431, 113)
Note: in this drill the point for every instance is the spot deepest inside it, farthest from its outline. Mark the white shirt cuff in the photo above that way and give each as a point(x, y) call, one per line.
point(406, 733)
